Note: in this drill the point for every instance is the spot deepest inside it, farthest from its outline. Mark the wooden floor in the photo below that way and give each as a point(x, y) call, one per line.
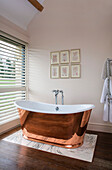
point(17, 157)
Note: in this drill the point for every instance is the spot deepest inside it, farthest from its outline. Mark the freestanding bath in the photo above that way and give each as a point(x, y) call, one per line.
point(60, 125)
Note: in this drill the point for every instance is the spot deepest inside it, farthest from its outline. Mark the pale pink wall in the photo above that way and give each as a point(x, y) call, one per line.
point(72, 24)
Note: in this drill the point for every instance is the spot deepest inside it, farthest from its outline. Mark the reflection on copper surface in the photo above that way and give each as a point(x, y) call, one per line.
point(64, 130)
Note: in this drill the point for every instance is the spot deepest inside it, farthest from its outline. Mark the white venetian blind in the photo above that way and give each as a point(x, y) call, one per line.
point(12, 77)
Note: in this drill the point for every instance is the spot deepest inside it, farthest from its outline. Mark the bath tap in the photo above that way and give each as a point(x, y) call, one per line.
point(61, 91)
point(56, 94)
point(57, 108)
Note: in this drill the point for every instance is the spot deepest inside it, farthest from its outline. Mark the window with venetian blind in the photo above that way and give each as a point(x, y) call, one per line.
point(12, 77)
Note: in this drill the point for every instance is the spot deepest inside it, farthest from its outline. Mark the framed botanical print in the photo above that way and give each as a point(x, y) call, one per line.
point(75, 56)
point(75, 71)
point(54, 72)
point(64, 71)
point(64, 57)
point(54, 57)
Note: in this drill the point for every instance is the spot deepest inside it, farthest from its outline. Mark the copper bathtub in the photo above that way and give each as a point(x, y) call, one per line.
point(42, 123)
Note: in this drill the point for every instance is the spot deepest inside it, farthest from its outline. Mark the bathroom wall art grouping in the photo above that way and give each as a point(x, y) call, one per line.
point(65, 64)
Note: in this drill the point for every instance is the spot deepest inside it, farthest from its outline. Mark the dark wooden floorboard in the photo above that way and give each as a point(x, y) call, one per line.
point(18, 157)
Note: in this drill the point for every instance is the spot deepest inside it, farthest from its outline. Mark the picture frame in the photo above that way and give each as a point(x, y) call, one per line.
point(75, 56)
point(64, 56)
point(64, 71)
point(54, 72)
point(75, 71)
point(54, 57)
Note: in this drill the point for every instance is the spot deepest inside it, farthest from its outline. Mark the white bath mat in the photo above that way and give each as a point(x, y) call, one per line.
point(85, 152)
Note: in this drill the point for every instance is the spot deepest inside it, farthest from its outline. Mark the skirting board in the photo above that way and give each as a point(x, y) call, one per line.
point(100, 127)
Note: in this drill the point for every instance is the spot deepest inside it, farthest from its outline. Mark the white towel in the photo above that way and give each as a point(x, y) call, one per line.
point(107, 117)
point(104, 71)
point(104, 99)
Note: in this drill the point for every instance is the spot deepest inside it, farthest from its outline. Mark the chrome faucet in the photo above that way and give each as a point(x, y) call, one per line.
point(56, 94)
point(61, 91)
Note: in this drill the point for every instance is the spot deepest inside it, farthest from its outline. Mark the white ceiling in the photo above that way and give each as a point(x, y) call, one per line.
point(20, 12)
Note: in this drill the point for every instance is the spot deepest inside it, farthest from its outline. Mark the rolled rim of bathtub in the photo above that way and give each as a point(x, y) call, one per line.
point(51, 108)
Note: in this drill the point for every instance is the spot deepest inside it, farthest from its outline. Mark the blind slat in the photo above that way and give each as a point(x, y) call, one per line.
point(11, 85)
point(12, 92)
point(6, 111)
point(4, 108)
point(10, 45)
point(13, 47)
point(11, 96)
point(8, 72)
point(11, 63)
point(5, 104)
point(9, 69)
point(13, 89)
point(13, 81)
point(8, 116)
point(12, 77)
point(18, 98)
point(8, 120)
point(5, 47)
point(14, 67)
point(11, 53)
point(9, 40)
point(4, 115)
point(9, 56)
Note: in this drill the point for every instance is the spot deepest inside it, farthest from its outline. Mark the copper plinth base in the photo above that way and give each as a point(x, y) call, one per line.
point(55, 144)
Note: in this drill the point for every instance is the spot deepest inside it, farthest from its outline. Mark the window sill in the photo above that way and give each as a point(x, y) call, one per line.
point(9, 124)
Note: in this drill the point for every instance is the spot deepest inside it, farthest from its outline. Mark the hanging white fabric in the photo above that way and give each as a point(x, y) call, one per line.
point(104, 99)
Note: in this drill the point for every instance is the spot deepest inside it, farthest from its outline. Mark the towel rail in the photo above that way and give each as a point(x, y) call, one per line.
point(108, 85)
point(108, 59)
point(109, 98)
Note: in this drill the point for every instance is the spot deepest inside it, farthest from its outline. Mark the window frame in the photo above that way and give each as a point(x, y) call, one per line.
point(12, 89)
